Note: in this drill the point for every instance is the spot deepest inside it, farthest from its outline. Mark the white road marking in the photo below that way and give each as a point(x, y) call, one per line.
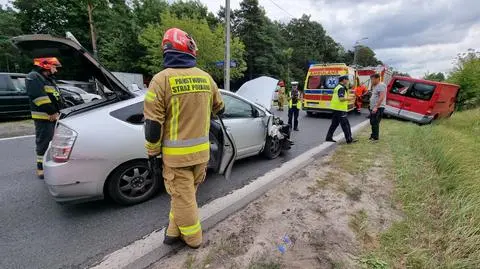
point(16, 137)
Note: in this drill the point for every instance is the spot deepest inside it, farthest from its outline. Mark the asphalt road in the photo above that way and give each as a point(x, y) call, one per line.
point(36, 232)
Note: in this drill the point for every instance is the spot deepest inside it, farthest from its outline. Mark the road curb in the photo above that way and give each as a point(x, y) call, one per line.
point(150, 249)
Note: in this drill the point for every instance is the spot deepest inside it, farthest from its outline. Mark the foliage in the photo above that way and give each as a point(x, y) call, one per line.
point(467, 74)
point(366, 57)
point(210, 45)
point(435, 76)
point(10, 60)
point(398, 73)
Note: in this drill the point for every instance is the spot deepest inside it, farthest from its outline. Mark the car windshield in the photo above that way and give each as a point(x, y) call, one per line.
point(322, 82)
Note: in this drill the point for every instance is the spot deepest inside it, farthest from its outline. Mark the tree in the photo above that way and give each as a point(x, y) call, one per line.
point(434, 76)
point(10, 59)
point(366, 57)
point(210, 44)
point(398, 73)
point(466, 73)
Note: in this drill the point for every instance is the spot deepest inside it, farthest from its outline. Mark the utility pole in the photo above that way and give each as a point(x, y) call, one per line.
point(92, 29)
point(227, 46)
point(356, 47)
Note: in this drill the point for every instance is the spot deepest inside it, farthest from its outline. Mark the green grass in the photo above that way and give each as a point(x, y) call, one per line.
point(437, 175)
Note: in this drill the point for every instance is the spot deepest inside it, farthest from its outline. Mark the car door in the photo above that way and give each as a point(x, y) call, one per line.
point(417, 101)
point(245, 124)
point(14, 100)
point(396, 96)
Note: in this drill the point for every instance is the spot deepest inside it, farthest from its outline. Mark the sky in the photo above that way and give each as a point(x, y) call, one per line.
point(414, 36)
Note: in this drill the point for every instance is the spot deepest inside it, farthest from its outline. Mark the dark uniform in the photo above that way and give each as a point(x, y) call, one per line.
point(340, 110)
point(294, 106)
point(45, 100)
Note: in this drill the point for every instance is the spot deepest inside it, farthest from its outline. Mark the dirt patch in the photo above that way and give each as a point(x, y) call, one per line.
point(16, 128)
point(323, 217)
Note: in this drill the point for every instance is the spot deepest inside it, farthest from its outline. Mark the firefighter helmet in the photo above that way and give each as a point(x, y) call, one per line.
point(47, 63)
point(176, 40)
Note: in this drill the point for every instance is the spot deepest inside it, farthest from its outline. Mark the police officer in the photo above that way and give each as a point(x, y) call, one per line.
point(177, 110)
point(45, 104)
point(294, 106)
point(339, 105)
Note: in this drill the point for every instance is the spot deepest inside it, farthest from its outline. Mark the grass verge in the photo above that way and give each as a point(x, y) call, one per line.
point(437, 173)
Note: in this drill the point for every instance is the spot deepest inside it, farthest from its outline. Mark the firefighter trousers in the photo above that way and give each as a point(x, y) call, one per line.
point(44, 131)
point(181, 184)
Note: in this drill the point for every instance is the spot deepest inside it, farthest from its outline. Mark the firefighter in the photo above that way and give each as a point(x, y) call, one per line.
point(45, 104)
point(281, 95)
point(177, 110)
point(360, 92)
point(294, 106)
point(339, 105)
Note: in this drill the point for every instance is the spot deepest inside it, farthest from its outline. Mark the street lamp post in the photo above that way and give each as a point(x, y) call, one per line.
point(356, 47)
point(227, 46)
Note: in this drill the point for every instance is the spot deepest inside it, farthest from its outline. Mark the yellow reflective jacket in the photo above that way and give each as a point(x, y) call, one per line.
point(182, 100)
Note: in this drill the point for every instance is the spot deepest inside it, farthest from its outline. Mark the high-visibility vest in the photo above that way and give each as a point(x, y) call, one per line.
point(336, 103)
point(299, 103)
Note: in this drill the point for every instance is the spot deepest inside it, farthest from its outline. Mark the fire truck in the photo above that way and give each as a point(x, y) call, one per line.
point(363, 77)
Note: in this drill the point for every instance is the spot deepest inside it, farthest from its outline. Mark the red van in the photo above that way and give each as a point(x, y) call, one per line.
point(419, 100)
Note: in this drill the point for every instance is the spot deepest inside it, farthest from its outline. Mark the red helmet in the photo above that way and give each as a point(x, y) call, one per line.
point(281, 83)
point(176, 40)
point(47, 63)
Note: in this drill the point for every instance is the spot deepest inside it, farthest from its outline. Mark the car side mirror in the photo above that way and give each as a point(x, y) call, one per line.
point(255, 113)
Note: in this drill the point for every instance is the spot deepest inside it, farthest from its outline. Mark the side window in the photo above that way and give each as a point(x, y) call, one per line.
point(400, 87)
point(19, 84)
point(236, 108)
point(422, 91)
point(4, 84)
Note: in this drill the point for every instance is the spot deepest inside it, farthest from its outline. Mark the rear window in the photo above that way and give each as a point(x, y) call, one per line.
point(322, 82)
point(417, 90)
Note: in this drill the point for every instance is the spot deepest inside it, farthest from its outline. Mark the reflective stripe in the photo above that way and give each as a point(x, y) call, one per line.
point(39, 115)
point(150, 96)
point(49, 89)
point(175, 103)
point(186, 150)
point(190, 230)
point(152, 146)
point(42, 100)
point(209, 112)
point(170, 215)
point(39, 159)
point(186, 142)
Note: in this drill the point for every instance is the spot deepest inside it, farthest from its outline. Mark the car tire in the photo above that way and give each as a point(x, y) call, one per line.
point(273, 148)
point(131, 183)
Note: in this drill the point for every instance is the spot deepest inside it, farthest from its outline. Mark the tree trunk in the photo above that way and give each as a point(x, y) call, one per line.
point(92, 29)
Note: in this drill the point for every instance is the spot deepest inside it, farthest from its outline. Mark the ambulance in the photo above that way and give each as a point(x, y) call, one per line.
point(319, 84)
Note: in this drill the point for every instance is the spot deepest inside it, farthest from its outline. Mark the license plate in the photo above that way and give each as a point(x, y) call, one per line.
point(394, 103)
point(312, 104)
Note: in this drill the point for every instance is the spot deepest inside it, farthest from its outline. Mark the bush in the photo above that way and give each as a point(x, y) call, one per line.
point(468, 77)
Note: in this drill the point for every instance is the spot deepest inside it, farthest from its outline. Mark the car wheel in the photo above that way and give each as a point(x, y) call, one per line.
point(132, 183)
point(272, 148)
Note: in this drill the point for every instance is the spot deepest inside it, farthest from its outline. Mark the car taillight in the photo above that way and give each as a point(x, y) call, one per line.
point(62, 143)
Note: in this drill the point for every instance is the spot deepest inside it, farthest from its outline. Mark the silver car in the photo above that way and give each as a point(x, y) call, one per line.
point(98, 148)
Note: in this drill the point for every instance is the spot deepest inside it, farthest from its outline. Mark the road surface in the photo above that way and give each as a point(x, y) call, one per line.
point(36, 232)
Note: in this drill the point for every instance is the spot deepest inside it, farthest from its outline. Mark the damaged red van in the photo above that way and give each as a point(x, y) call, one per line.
point(419, 100)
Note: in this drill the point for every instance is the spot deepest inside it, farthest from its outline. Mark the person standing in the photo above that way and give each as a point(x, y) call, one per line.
point(339, 105)
point(177, 110)
point(360, 92)
point(45, 104)
point(294, 106)
point(281, 95)
point(377, 105)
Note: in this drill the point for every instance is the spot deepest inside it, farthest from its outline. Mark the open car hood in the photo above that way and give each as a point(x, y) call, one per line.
point(78, 63)
point(260, 90)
